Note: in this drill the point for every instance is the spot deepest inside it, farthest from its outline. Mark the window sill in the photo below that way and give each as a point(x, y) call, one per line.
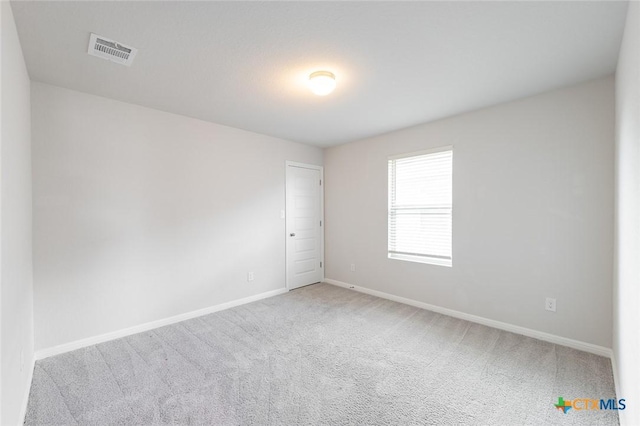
point(422, 259)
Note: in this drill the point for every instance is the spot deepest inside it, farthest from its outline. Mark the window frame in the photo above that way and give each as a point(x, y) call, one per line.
point(419, 258)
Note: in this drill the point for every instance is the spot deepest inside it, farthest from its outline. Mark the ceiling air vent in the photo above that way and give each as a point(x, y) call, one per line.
point(111, 50)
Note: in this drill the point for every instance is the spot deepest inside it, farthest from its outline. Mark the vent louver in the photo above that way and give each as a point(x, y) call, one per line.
point(111, 50)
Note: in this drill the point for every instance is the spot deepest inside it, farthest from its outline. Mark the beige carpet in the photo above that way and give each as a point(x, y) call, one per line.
point(320, 355)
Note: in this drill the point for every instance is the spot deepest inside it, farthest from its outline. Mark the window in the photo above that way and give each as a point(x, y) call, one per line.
point(420, 206)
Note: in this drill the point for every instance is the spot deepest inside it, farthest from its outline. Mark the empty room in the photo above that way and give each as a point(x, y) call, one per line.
point(315, 212)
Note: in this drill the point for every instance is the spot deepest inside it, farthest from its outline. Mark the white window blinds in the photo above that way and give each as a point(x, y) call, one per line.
point(420, 207)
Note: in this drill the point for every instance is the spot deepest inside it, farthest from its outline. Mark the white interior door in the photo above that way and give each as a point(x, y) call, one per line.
point(304, 225)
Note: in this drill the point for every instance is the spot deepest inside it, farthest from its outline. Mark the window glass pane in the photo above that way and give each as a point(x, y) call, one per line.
point(420, 207)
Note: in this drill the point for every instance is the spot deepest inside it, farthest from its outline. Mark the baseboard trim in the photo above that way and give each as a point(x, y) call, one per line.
point(90, 341)
point(27, 392)
point(614, 368)
point(623, 414)
point(547, 337)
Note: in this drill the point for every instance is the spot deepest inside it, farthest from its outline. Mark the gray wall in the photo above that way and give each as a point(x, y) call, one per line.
point(533, 213)
point(140, 215)
point(16, 293)
point(626, 340)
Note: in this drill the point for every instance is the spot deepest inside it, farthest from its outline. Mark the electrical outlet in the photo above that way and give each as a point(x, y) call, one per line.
point(353, 267)
point(550, 304)
point(250, 276)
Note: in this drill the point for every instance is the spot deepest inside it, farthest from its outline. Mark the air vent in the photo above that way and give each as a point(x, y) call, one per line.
point(111, 50)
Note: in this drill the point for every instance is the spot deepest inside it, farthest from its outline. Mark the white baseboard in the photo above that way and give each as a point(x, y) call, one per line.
point(25, 398)
point(90, 341)
point(624, 416)
point(614, 368)
point(552, 338)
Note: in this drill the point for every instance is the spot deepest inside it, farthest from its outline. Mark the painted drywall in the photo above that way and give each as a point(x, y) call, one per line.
point(245, 63)
point(141, 215)
point(626, 315)
point(16, 294)
point(533, 213)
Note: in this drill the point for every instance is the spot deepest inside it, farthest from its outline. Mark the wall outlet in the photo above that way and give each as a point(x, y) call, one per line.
point(250, 276)
point(353, 267)
point(550, 304)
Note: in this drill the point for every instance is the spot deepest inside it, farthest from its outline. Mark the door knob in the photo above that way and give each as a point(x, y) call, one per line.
point(292, 234)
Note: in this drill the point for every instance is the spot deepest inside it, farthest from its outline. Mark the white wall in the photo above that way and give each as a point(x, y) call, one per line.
point(16, 293)
point(533, 213)
point(626, 313)
point(141, 215)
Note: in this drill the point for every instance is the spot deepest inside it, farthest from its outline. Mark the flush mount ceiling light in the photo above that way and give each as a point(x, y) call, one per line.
point(322, 82)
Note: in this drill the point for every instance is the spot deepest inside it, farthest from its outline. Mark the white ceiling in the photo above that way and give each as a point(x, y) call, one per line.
point(244, 64)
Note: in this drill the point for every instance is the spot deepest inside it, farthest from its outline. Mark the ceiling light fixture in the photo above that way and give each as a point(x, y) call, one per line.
point(322, 82)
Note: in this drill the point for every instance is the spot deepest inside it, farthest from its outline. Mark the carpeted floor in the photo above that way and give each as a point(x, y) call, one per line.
point(320, 355)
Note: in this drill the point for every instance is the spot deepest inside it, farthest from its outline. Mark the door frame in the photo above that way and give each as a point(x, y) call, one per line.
point(322, 227)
